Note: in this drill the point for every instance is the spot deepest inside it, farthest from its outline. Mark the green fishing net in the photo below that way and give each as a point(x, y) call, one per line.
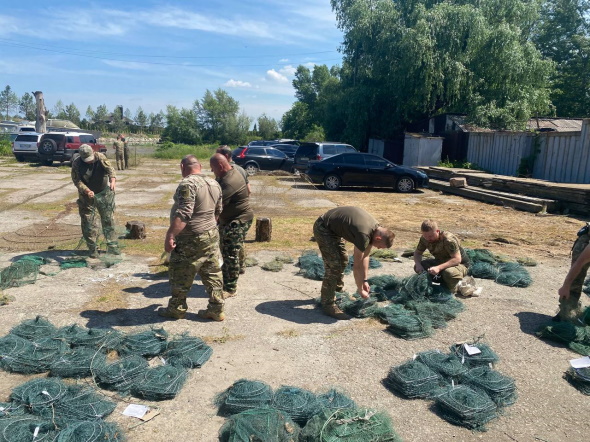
point(260, 424)
point(461, 405)
point(10, 409)
point(513, 274)
point(33, 328)
point(576, 337)
point(73, 263)
point(311, 266)
point(487, 265)
point(244, 395)
point(91, 431)
point(486, 357)
point(449, 366)
point(297, 403)
point(355, 305)
point(19, 355)
point(484, 270)
point(146, 343)
point(272, 266)
point(121, 374)
point(77, 363)
point(159, 383)
point(285, 258)
point(334, 400)
point(27, 428)
point(579, 378)
point(409, 326)
point(500, 389)
point(413, 379)
point(104, 339)
point(349, 425)
point(187, 351)
point(250, 262)
point(21, 272)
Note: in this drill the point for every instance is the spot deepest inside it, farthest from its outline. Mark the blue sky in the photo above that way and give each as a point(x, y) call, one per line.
point(153, 53)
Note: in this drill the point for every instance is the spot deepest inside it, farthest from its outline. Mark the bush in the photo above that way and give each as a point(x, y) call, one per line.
point(171, 151)
point(5, 147)
point(458, 164)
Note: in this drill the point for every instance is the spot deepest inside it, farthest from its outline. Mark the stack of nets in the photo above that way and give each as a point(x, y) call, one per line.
point(297, 403)
point(73, 263)
point(576, 337)
point(373, 264)
point(21, 272)
point(250, 262)
point(37, 346)
point(311, 266)
point(485, 357)
point(349, 424)
point(579, 378)
point(259, 424)
point(466, 392)
point(410, 326)
point(244, 395)
point(334, 400)
point(487, 265)
point(355, 305)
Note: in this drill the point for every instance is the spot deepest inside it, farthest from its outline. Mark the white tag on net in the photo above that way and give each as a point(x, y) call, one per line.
point(135, 410)
point(471, 349)
point(580, 362)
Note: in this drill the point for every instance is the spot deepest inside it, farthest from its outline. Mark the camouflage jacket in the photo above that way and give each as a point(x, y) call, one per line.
point(197, 202)
point(81, 179)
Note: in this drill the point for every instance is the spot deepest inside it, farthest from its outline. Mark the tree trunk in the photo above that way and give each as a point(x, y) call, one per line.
point(41, 123)
point(263, 229)
point(136, 230)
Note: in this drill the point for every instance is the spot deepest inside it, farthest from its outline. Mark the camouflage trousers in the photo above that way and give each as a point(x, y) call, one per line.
point(120, 158)
point(198, 254)
point(335, 259)
point(569, 309)
point(126, 157)
point(232, 238)
point(450, 276)
point(90, 209)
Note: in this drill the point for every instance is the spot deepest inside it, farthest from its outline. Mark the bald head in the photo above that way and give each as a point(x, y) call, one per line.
point(225, 151)
point(190, 165)
point(219, 165)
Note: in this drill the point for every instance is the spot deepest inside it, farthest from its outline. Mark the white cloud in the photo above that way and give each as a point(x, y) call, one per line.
point(237, 83)
point(288, 70)
point(274, 76)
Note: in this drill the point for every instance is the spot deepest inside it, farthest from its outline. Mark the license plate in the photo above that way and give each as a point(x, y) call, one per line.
point(26, 147)
point(305, 158)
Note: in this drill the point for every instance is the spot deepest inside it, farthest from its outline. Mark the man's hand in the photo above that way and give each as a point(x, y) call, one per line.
point(112, 184)
point(365, 290)
point(169, 243)
point(418, 268)
point(564, 292)
point(90, 193)
point(434, 270)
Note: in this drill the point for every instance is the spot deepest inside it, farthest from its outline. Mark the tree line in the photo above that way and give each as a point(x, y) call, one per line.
point(500, 62)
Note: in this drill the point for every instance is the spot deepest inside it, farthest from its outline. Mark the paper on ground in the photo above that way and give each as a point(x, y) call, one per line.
point(580, 362)
point(134, 410)
point(471, 350)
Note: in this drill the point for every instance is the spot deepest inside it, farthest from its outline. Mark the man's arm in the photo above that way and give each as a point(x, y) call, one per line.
point(418, 261)
point(83, 188)
point(176, 226)
point(249, 189)
point(455, 260)
point(109, 170)
point(360, 270)
point(575, 269)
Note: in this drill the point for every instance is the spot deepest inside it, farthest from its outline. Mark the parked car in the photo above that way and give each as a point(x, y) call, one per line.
point(253, 159)
point(365, 169)
point(309, 152)
point(262, 143)
point(288, 149)
point(64, 146)
point(25, 146)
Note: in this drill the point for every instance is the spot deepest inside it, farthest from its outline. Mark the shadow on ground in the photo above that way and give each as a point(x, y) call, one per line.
point(292, 311)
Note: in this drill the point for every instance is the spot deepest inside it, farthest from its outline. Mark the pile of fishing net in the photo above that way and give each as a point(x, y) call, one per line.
point(256, 413)
point(488, 265)
point(355, 305)
point(47, 409)
point(276, 264)
point(579, 378)
point(37, 346)
point(576, 337)
point(21, 272)
point(466, 391)
point(311, 265)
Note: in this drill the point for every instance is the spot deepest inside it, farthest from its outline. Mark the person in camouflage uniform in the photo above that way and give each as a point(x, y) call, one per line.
point(193, 242)
point(119, 147)
point(125, 152)
point(450, 260)
point(234, 221)
point(95, 179)
point(571, 290)
point(361, 229)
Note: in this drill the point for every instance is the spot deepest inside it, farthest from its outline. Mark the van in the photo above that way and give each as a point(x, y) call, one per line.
point(309, 152)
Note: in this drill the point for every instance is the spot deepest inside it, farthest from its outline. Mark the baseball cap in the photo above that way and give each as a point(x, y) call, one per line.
point(86, 153)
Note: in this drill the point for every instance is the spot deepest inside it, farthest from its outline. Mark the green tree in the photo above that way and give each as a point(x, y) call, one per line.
point(268, 128)
point(297, 121)
point(72, 113)
point(27, 107)
point(315, 134)
point(90, 113)
point(101, 113)
point(8, 101)
point(127, 114)
point(59, 111)
point(181, 126)
point(563, 35)
point(215, 111)
point(140, 117)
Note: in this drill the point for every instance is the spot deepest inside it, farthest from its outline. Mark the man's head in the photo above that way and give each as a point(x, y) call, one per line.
point(219, 165)
point(86, 153)
point(119, 136)
point(382, 238)
point(226, 151)
point(430, 231)
point(189, 165)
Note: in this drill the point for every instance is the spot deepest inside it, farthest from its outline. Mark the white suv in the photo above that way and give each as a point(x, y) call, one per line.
point(24, 145)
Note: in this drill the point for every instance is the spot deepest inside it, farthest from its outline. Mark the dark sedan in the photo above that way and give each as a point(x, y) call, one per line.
point(365, 169)
point(288, 149)
point(253, 159)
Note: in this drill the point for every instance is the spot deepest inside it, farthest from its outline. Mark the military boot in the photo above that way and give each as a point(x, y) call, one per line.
point(334, 311)
point(93, 253)
point(228, 294)
point(208, 314)
point(166, 312)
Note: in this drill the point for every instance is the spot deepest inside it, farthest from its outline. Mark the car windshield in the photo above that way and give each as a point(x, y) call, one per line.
point(31, 138)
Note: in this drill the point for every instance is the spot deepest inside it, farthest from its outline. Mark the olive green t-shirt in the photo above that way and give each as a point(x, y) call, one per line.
point(236, 202)
point(443, 249)
point(353, 224)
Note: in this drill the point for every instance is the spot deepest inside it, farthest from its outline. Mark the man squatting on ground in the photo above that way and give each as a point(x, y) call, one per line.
point(450, 260)
point(95, 179)
point(355, 225)
point(119, 147)
point(234, 221)
point(571, 290)
point(226, 151)
point(193, 242)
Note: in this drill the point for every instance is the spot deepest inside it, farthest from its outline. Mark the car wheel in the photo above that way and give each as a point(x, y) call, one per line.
point(332, 182)
point(19, 158)
point(47, 162)
point(47, 147)
point(405, 184)
point(251, 169)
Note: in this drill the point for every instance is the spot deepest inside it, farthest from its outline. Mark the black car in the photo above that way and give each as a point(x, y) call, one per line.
point(288, 149)
point(365, 169)
point(253, 159)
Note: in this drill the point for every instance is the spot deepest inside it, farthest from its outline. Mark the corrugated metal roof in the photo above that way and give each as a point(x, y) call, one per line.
point(543, 124)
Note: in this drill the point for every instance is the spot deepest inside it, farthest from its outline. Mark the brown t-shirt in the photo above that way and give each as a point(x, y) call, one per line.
point(197, 202)
point(353, 224)
point(236, 202)
point(443, 249)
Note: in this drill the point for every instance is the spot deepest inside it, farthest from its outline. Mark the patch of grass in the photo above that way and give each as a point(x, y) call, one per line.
point(172, 151)
point(225, 337)
point(110, 296)
point(288, 333)
point(6, 299)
